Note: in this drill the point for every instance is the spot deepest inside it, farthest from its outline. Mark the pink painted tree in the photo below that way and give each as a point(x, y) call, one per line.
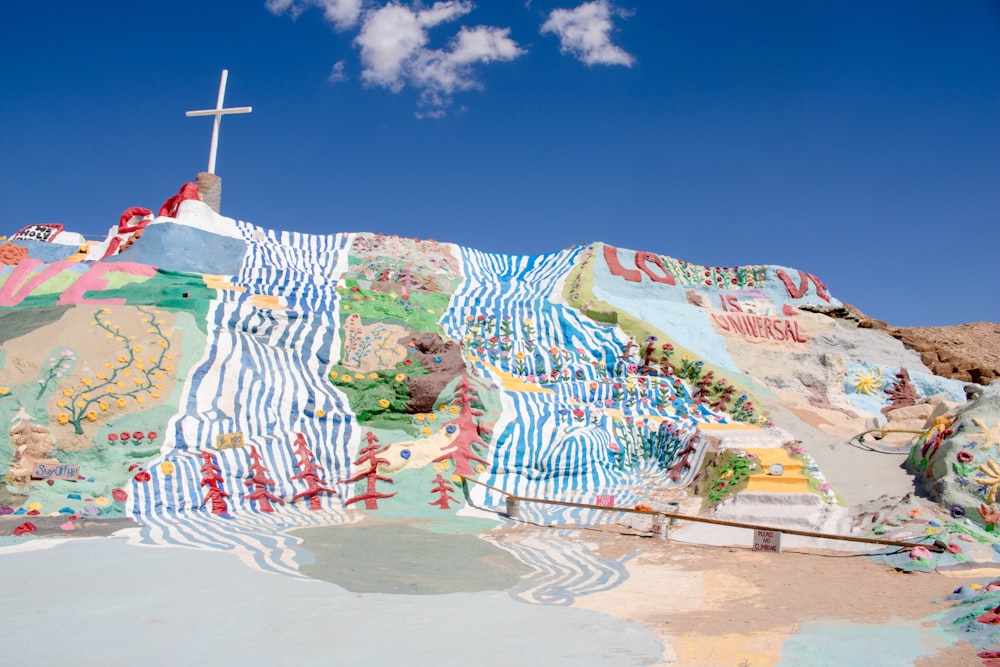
point(260, 483)
point(369, 454)
point(442, 487)
point(310, 475)
point(212, 480)
point(462, 451)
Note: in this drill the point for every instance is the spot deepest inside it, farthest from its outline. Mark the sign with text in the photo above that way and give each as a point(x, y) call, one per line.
point(42, 231)
point(58, 471)
point(605, 500)
point(767, 540)
point(229, 440)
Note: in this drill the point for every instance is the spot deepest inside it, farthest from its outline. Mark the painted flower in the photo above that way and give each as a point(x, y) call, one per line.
point(964, 456)
point(121, 403)
point(373, 376)
point(592, 386)
point(321, 413)
point(419, 416)
point(346, 378)
point(954, 548)
point(113, 437)
point(91, 416)
point(919, 553)
point(383, 403)
point(425, 430)
point(63, 418)
point(142, 476)
point(151, 435)
point(578, 413)
point(431, 417)
point(167, 468)
point(125, 435)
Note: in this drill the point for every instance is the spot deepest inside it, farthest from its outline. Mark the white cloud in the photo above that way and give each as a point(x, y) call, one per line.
point(585, 32)
point(343, 14)
point(337, 73)
point(393, 41)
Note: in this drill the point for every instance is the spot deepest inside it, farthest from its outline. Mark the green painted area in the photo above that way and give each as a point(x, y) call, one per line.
point(420, 311)
point(400, 558)
point(15, 323)
point(378, 398)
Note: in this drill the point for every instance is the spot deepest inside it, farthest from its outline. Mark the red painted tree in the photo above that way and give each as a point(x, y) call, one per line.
point(310, 475)
point(260, 483)
point(462, 451)
point(902, 393)
point(212, 479)
point(442, 487)
point(369, 454)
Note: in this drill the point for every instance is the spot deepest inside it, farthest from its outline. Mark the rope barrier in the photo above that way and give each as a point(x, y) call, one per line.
point(718, 522)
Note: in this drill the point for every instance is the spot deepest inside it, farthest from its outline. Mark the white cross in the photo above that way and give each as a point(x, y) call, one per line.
point(218, 112)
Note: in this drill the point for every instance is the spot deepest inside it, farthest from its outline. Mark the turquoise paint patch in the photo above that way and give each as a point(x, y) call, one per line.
point(895, 644)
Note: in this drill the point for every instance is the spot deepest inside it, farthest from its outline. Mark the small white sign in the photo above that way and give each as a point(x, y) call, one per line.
point(767, 540)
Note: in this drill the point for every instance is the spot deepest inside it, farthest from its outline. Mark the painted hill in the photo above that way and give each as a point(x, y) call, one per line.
point(222, 384)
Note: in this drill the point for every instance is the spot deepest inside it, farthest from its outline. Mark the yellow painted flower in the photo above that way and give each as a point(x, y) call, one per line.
point(140, 399)
point(127, 372)
point(109, 365)
point(151, 360)
point(109, 335)
point(167, 468)
point(419, 416)
point(529, 321)
point(67, 392)
point(4, 390)
point(91, 416)
point(101, 501)
point(383, 403)
point(334, 375)
point(137, 348)
point(85, 396)
point(158, 374)
point(169, 334)
point(109, 390)
point(119, 384)
point(121, 403)
point(457, 478)
point(34, 506)
point(432, 417)
point(425, 430)
point(138, 381)
point(102, 376)
point(103, 405)
point(346, 378)
point(400, 377)
point(321, 413)
point(61, 403)
point(469, 337)
point(168, 356)
point(150, 330)
point(85, 382)
point(519, 356)
point(159, 386)
point(453, 409)
point(373, 376)
point(140, 366)
point(80, 404)
point(168, 368)
point(63, 418)
point(359, 376)
point(154, 394)
point(162, 343)
point(122, 359)
point(480, 468)
point(443, 406)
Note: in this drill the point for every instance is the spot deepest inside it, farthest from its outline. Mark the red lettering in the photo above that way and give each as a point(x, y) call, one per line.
point(641, 258)
point(616, 268)
point(800, 291)
point(737, 324)
point(767, 328)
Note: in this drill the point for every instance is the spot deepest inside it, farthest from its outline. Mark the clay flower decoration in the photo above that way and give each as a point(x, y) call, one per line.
point(920, 553)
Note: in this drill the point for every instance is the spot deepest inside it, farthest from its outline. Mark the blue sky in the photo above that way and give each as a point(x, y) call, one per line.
point(859, 141)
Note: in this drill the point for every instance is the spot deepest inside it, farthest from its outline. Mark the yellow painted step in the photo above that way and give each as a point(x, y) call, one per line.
point(791, 481)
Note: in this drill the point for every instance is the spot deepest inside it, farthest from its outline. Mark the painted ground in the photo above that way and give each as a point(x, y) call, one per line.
point(368, 423)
